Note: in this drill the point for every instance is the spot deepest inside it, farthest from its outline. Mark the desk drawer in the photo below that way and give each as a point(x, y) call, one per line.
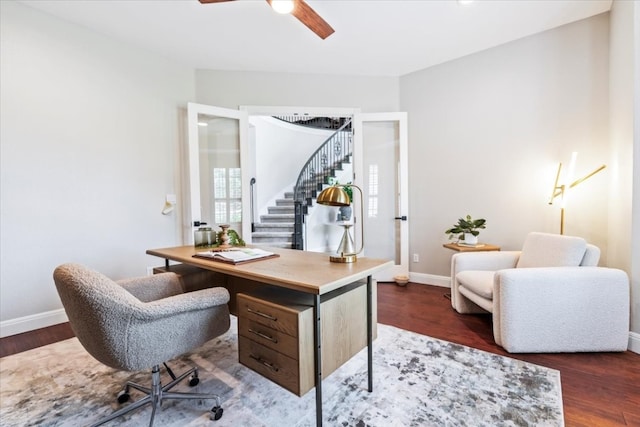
point(274, 316)
point(275, 366)
point(268, 337)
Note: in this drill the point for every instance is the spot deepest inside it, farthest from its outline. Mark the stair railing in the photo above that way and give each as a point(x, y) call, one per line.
point(321, 166)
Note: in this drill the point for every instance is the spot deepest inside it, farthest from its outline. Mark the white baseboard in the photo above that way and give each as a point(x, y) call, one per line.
point(430, 279)
point(634, 342)
point(32, 322)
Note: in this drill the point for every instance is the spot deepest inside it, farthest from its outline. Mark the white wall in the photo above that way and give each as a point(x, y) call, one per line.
point(89, 149)
point(624, 209)
point(281, 149)
point(232, 89)
point(486, 133)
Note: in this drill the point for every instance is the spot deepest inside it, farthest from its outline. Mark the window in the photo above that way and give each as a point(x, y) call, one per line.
point(372, 209)
point(227, 195)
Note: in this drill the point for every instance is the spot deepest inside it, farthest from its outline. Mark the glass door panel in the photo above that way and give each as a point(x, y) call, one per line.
point(383, 149)
point(217, 182)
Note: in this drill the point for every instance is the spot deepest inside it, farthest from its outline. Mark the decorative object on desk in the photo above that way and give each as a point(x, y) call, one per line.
point(483, 388)
point(236, 255)
point(562, 189)
point(466, 230)
point(205, 237)
point(223, 237)
point(337, 196)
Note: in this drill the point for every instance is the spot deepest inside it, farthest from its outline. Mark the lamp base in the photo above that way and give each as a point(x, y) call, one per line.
point(344, 258)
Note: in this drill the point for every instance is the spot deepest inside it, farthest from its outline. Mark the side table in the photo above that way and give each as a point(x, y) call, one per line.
point(477, 248)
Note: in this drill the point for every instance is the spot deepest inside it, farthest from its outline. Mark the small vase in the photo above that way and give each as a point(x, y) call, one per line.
point(470, 239)
point(345, 213)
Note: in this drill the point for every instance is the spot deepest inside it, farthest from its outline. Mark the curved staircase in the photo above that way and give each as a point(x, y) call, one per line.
point(283, 223)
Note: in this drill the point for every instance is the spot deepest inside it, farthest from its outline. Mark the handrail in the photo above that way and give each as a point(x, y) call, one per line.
point(330, 155)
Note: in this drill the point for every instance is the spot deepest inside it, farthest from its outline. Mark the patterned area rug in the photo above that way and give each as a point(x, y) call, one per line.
point(418, 381)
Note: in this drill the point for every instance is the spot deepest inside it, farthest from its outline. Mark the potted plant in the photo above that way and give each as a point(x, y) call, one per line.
point(467, 229)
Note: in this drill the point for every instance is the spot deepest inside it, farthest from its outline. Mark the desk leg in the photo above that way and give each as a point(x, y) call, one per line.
point(317, 341)
point(370, 332)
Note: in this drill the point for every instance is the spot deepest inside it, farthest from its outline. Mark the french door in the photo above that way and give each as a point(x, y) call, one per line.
point(221, 165)
point(218, 172)
point(380, 164)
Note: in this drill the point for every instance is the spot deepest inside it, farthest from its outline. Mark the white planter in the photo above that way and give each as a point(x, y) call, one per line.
point(470, 239)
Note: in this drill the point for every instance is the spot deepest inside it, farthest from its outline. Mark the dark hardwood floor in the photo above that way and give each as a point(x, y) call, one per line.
point(598, 389)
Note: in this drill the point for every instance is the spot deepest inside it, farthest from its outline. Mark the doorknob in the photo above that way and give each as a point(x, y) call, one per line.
point(403, 217)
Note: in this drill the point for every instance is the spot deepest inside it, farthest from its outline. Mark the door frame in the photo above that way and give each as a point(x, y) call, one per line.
point(401, 269)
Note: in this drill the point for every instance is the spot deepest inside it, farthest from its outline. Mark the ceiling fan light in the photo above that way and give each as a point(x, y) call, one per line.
point(282, 6)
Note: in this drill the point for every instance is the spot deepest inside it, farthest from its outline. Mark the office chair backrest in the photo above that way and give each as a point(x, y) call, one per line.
point(98, 310)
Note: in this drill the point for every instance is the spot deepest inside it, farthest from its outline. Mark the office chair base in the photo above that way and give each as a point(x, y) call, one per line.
point(158, 392)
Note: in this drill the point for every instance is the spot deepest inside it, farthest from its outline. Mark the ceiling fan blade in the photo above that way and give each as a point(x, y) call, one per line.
point(213, 1)
point(311, 19)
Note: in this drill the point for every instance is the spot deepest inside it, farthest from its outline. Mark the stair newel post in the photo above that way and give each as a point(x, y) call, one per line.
point(297, 228)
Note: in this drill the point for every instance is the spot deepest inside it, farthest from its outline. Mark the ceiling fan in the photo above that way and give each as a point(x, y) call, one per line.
point(301, 10)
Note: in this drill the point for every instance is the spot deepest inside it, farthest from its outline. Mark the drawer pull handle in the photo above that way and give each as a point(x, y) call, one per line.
point(265, 336)
point(264, 362)
point(258, 313)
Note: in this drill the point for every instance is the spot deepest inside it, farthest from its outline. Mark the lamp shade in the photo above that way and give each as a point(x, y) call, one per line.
point(334, 196)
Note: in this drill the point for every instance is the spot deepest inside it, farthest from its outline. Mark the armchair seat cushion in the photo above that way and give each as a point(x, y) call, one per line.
point(478, 282)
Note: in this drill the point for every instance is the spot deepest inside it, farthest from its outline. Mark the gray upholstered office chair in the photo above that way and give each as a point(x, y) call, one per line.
point(141, 323)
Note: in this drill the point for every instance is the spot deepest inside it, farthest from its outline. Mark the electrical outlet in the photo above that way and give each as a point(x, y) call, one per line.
point(416, 258)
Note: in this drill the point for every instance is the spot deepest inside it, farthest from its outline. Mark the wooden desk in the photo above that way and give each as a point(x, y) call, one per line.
point(309, 273)
point(461, 248)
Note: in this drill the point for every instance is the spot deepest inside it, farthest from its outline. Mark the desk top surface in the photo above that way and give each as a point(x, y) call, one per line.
point(309, 272)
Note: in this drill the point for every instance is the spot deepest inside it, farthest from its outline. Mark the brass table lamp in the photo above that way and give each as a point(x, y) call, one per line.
point(336, 196)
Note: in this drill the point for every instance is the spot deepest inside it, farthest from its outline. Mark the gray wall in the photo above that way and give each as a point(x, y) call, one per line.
point(624, 208)
point(487, 132)
point(89, 137)
point(232, 89)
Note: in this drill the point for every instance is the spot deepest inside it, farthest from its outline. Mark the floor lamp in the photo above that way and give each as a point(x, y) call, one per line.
point(559, 190)
point(336, 196)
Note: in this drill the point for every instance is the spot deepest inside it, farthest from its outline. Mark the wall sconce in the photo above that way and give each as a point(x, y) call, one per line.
point(561, 189)
point(336, 196)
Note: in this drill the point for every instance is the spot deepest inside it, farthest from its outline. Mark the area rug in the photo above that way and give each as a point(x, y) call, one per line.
point(418, 381)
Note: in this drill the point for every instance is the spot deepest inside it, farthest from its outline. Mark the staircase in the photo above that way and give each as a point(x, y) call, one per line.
point(282, 225)
point(277, 226)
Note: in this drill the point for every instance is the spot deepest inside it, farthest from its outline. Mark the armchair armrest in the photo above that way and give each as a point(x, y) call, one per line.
point(151, 288)
point(183, 322)
point(561, 309)
point(483, 261)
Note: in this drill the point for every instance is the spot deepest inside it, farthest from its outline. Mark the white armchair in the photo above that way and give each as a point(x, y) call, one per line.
point(549, 297)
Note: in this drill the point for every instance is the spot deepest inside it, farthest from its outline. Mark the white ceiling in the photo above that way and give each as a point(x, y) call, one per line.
point(372, 37)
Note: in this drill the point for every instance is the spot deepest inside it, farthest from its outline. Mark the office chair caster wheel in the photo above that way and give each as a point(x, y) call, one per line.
point(216, 413)
point(123, 396)
point(194, 380)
